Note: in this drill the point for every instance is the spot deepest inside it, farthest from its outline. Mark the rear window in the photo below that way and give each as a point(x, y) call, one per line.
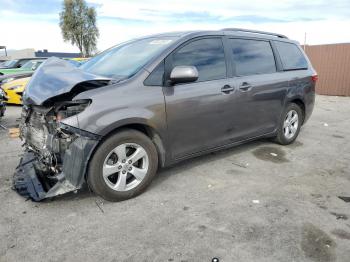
point(291, 56)
point(252, 57)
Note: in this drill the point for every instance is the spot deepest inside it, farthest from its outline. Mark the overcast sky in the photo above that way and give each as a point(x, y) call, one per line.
point(34, 23)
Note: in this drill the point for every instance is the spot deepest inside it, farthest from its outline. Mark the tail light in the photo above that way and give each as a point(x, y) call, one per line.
point(314, 78)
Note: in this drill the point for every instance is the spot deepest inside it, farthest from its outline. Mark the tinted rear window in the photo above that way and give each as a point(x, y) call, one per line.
point(291, 56)
point(252, 57)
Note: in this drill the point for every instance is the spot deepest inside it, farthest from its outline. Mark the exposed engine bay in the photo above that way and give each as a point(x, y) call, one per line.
point(56, 154)
point(40, 129)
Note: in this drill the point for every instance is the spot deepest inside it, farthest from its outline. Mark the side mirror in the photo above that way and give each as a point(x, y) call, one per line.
point(183, 74)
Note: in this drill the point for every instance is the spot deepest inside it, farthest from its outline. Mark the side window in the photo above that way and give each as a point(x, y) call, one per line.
point(291, 57)
point(252, 57)
point(156, 77)
point(22, 62)
point(207, 55)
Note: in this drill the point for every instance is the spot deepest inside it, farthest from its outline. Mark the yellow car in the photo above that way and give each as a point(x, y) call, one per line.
point(80, 59)
point(14, 90)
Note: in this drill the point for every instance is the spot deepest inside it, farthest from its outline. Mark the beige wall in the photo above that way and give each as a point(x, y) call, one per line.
point(332, 63)
point(14, 54)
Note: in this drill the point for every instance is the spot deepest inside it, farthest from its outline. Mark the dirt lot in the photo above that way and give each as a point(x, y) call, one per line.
point(242, 204)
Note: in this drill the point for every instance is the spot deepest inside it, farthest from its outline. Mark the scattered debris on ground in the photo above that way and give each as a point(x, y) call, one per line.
point(14, 132)
point(339, 216)
point(244, 165)
point(344, 198)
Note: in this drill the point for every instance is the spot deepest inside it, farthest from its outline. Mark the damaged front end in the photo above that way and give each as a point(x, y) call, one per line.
point(56, 154)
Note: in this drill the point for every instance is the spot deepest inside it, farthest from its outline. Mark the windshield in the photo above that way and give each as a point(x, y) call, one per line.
point(31, 64)
point(10, 63)
point(125, 60)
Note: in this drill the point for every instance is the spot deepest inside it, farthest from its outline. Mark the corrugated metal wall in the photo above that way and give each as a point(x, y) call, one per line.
point(332, 63)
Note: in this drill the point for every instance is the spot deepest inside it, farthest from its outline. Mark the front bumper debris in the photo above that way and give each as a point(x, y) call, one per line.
point(25, 180)
point(31, 182)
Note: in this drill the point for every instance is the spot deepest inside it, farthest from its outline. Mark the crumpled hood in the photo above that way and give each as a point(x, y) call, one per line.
point(53, 78)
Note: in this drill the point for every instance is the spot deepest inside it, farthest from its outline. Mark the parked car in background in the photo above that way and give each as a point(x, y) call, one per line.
point(29, 66)
point(14, 90)
point(17, 63)
point(8, 78)
point(21, 74)
point(80, 59)
point(3, 100)
point(75, 62)
point(15, 84)
point(155, 101)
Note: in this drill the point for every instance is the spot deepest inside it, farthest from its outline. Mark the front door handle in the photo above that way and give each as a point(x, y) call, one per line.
point(226, 89)
point(245, 87)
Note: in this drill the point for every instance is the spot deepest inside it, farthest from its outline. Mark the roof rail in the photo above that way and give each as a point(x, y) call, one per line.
point(254, 32)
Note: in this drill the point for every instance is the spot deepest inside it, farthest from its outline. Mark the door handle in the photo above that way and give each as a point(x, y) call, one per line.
point(245, 87)
point(227, 89)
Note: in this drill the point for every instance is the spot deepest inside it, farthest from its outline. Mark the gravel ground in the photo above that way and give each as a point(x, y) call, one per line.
point(241, 204)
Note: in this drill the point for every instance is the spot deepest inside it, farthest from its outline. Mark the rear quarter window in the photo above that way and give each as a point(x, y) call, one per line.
point(291, 56)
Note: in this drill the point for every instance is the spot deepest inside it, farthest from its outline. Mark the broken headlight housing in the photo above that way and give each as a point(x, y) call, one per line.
point(72, 108)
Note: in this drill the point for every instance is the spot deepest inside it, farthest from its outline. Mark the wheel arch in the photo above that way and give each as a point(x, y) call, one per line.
point(300, 103)
point(143, 127)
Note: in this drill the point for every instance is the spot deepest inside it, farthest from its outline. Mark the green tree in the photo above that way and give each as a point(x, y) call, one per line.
point(78, 25)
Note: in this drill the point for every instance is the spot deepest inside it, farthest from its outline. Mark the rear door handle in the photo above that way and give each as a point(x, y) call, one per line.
point(245, 87)
point(226, 89)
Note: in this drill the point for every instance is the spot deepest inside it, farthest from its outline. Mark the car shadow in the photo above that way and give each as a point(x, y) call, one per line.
point(166, 173)
point(191, 163)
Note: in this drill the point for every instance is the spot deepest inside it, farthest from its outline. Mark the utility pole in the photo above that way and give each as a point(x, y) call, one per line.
point(305, 42)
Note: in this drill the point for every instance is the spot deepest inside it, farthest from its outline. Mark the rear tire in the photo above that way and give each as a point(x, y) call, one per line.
point(290, 123)
point(123, 166)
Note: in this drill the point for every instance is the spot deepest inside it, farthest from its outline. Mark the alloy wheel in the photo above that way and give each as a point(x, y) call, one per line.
point(290, 124)
point(125, 167)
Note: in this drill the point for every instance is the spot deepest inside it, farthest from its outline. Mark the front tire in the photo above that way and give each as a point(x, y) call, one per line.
point(290, 124)
point(123, 166)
